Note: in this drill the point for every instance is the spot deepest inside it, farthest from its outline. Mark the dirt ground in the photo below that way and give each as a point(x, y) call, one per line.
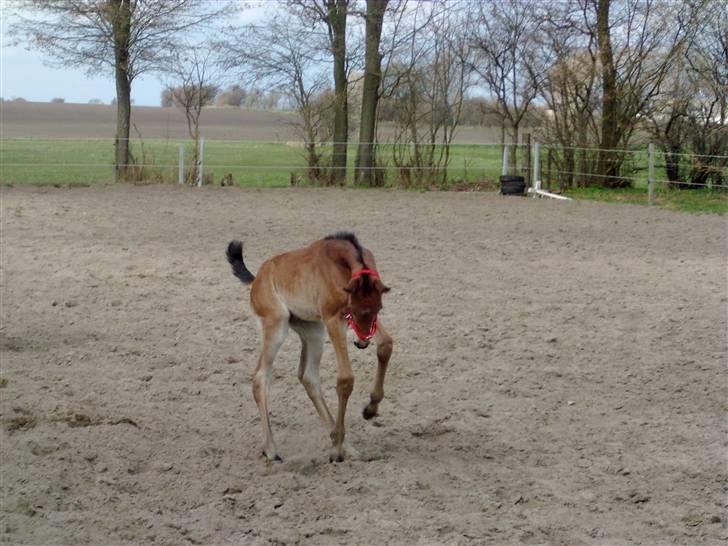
point(559, 374)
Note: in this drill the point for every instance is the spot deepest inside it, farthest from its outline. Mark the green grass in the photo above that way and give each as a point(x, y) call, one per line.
point(257, 164)
point(49, 161)
point(79, 161)
point(702, 200)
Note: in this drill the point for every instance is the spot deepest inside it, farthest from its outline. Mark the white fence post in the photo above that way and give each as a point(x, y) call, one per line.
point(536, 166)
point(181, 173)
point(651, 175)
point(201, 162)
point(504, 170)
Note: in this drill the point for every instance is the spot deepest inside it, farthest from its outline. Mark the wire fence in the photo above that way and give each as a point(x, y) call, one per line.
point(249, 163)
point(281, 163)
point(565, 168)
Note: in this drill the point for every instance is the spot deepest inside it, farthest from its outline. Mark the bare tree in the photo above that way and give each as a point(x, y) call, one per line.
point(332, 15)
point(233, 96)
point(432, 76)
point(390, 30)
point(130, 37)
point(277, 53)
point(639, 42)
point(571, 90)
point(612, 62)
point(667, 119)
point(502, 34)
point(193, 86)
point(707, 111)
point(365, 159)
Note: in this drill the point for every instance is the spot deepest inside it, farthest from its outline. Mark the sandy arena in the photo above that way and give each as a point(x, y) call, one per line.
point(558, 377)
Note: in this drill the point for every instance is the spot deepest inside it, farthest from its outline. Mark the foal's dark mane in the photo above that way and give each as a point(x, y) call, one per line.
point(348, 236)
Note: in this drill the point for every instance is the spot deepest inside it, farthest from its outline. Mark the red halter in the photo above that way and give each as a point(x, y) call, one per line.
point(370, 272)
point(359, 334)
point(350, 319)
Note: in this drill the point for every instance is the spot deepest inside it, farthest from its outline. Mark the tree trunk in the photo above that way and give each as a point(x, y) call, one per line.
point(569, 164)
point(503, 136)
point(337, 20)
point(583, 163)
point(314, 174)
point(513, 159)
point(607, 163)
point(672, 164)
point(365, 160)
point(671, 146)
point(121, 27)
point(527, 161)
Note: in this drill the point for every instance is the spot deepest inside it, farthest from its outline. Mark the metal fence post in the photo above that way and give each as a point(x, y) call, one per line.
point(536, 163)
point(504, 169)
point(201, 162)
point(181, 173)
point(527, 153)
point(651, 175)
point(549, 159)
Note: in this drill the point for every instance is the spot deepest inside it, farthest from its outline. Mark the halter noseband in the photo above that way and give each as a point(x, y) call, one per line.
point(350, 319)
point(364, 337)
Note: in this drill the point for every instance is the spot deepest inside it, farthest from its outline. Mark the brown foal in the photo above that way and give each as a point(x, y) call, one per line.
point(320, 287)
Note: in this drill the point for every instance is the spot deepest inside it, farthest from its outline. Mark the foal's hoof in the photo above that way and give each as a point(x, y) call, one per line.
point(369, 411)
point(275, 458)
point(336, 454)
point(345, 452)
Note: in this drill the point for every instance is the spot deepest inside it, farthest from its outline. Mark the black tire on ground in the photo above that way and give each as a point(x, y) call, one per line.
point(512, 185)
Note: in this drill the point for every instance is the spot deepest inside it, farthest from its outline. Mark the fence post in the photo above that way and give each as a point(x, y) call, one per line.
point(651, 175)
point(536, 164)
point(527, 153)
point(504, 169)
point(181, 173)
point(549, 158)
point(201, 161)
point(116, 162)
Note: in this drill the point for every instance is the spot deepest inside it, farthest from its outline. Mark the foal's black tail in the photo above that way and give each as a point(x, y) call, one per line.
point(235, 257)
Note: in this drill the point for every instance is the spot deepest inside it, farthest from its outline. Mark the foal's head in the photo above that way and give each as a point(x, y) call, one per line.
point(365, 301)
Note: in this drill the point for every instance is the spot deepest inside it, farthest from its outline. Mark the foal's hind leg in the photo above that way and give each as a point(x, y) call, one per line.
point(274, 332)
point(312, 341)
point(384, 352)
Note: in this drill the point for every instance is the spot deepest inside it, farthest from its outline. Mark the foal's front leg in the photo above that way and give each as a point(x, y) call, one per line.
point(384, 353)
point(336, 328)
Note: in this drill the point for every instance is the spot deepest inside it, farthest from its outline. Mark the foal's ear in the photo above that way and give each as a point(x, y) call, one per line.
point(352, 286)
point(380, 287)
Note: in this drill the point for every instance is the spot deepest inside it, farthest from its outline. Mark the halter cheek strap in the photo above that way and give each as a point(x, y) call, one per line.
point(350, 319)
point(364, 337)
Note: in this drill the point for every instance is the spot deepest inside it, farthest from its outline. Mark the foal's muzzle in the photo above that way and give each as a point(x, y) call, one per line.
point(362, 339)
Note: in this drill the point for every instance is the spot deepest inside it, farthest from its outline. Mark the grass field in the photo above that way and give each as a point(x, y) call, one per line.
point(40, 161)
point(261, 164)
point(702, 200)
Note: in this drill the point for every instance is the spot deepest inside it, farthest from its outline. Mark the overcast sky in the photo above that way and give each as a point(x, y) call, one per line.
point(24, 74)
